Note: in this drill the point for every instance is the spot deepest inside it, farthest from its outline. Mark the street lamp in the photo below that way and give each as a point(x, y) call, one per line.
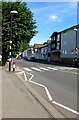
point(76, 49)
point(12, 12)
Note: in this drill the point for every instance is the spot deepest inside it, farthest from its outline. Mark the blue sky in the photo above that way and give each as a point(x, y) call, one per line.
point(52, 16)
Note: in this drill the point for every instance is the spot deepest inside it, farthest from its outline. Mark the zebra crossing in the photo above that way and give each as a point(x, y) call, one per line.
point(49, 68)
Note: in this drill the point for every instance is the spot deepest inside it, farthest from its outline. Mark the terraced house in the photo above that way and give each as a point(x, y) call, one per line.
point(65, 45)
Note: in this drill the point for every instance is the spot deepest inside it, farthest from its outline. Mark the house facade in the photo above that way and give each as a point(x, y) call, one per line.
point(55, 46)
point(44, 51)
point(49, 52)
point(65, 45)
point(28, 53)
point(37, 51)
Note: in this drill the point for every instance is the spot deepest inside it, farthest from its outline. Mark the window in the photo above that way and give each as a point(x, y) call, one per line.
point(53, 45)
point(65, 51)
point(35, 50)
point(48, 54)
point(58, 37)
point(58, 46)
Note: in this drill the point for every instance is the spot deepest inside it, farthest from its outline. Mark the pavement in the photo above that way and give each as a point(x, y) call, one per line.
point(17, 101)
point(0, 93)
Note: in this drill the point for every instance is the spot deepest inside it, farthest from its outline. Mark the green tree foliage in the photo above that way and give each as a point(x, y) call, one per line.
point(23, 27)
point(44, 43)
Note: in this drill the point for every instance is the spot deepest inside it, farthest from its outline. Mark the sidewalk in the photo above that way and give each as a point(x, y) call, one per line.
point(0, 94)
point(17, 101)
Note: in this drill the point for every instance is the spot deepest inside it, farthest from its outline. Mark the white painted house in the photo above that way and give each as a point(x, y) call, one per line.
point(44, 51)
point(37, 51)
point(28, 53)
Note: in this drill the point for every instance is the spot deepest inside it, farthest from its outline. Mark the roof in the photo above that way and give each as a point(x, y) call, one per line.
point(54, 33)
point(76, 26)
point(37, 45)
point(49, 41)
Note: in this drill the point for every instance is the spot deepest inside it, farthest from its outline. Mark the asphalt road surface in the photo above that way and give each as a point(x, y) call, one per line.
point(55, 83)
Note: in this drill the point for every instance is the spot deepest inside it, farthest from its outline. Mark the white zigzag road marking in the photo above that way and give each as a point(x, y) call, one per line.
point(65, 107)
point(46, 89)
point(48, 93)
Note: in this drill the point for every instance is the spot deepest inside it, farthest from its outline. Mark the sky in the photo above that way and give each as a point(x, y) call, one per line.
point(52, 17)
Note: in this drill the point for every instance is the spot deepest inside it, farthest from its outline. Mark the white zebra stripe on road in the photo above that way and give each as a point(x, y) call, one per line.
point(43, 68)
point(35, 68)
point(52, 68)
point(27, 69)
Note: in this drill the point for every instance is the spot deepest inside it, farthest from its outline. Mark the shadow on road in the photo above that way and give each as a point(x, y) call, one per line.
point(54, 63)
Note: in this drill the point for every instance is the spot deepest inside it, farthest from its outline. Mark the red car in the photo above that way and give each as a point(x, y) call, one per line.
point(26, 58)
point(19, 57)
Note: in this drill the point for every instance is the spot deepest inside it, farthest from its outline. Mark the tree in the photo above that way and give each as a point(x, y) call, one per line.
point(23, 27)
point(44, 43)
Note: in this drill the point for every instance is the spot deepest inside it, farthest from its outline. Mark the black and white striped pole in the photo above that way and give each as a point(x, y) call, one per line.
point(10, 52)
point(10, 59)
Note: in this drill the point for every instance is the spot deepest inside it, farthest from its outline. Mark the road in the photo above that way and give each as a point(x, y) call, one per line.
point(55, 83)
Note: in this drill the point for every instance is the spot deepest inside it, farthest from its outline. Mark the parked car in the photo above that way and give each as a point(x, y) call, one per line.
point(26, 58)
point(32, 58)
point(19, 57)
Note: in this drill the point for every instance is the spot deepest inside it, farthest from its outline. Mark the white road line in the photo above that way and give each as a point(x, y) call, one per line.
point(30, 80)
point(37, 84)
point(31, 77)
point(67, 108)
point(43, 68)
point(27, 69)
point(20, 72)
point(46, 89)
point(36, 69)
point(52, 68)
point(25, 76)
point(48, 94)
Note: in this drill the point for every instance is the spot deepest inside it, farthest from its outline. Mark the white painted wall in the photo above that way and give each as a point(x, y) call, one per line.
point(27, 53)
point(44, 52)
point(38, 53)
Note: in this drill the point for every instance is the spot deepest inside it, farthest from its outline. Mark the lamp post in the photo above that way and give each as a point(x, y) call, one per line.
point(10, 53)
point(76, 49)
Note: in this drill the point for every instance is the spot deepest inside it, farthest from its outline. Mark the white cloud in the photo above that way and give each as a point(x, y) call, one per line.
point(54, 18)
